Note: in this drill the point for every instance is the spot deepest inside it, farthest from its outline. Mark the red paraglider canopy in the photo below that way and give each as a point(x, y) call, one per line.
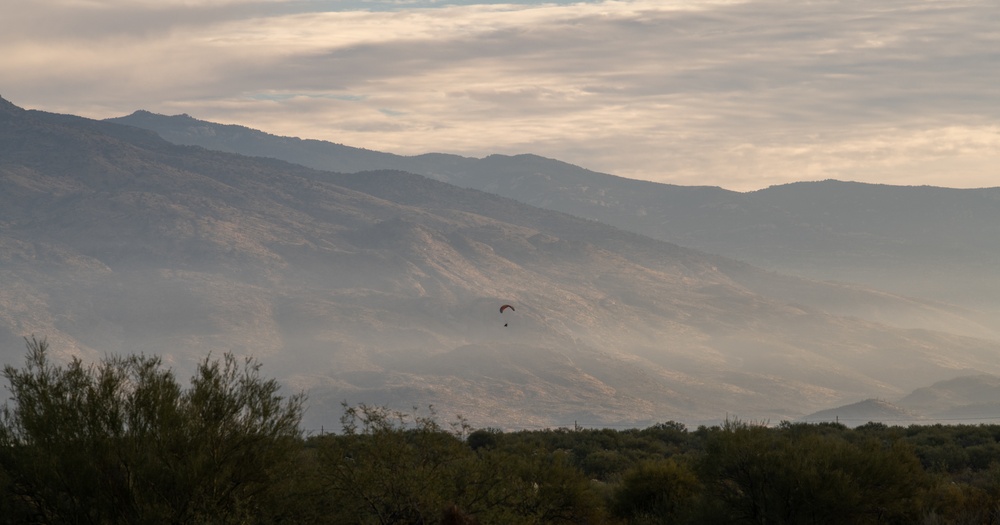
point(506, 306)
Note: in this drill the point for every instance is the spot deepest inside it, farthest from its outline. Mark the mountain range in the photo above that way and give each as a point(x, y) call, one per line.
point(940, 244)
point(383, 286)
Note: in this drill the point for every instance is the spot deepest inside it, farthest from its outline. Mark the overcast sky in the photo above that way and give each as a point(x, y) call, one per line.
point(738, 94)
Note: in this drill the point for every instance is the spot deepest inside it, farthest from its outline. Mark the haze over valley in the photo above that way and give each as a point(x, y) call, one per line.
point(362, 276)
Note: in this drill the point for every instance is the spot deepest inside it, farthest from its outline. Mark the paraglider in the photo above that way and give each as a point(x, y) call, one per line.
point(506, 307)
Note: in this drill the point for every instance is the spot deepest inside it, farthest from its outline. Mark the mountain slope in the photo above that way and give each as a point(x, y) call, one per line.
point(385, 286)
point(934, 243)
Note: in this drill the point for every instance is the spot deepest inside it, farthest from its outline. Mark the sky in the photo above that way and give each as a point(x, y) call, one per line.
point(738, 94)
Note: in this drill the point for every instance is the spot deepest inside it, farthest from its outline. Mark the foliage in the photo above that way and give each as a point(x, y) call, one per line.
point(663, 491)
point(799, 474)
point(387, 467)
point(122, 441)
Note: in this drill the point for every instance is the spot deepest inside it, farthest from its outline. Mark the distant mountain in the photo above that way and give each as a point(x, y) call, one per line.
point(935, 243)
point(869, 410)
point(328, 156)
point(384, 287)
point(969, 400)
point(959, 397)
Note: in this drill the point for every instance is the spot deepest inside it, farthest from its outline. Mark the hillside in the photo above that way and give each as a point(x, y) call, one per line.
point(384, 287)
point(934, 243)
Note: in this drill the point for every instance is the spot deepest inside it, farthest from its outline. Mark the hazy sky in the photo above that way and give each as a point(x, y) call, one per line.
point(739, 94)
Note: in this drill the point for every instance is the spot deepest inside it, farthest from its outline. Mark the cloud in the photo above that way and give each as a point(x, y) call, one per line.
point(739, 94)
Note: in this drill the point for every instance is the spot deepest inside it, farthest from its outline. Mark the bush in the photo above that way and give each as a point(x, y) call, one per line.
point(661, 491)
point(122, 442)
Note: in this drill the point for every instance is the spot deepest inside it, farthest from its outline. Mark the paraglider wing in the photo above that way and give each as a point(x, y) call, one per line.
point(506, 306)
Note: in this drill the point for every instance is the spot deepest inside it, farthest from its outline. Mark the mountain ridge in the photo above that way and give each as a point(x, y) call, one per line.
point(938, 244)
point(351, 285)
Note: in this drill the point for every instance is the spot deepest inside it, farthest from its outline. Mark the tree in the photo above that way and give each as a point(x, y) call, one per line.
point(662, 491)
point(388, 467)
point(802, 474)
point(122, 442)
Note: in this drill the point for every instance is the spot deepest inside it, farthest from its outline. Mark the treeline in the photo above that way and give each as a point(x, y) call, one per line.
point(122, 441)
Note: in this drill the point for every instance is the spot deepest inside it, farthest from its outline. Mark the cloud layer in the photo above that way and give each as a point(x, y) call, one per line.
point(737, 94)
